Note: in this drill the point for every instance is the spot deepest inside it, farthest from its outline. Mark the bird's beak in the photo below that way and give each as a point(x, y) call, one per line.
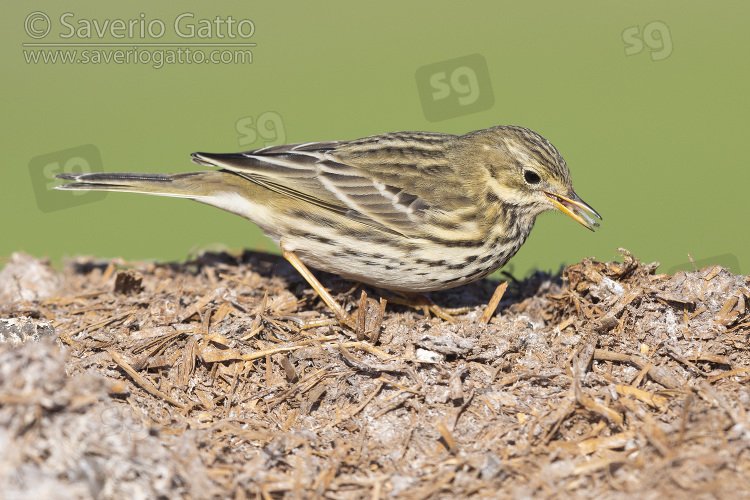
point(576, 208)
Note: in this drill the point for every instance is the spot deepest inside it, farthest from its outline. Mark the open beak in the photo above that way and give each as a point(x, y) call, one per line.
point(576, 208)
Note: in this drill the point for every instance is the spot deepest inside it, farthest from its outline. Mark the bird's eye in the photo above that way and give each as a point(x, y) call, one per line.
point(531, 177)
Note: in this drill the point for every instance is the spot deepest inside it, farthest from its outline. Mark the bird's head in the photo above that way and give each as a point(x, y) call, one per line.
point(527, 171)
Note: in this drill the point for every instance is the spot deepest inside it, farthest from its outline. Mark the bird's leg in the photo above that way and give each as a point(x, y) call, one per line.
point(341, 315)
point(420, 301)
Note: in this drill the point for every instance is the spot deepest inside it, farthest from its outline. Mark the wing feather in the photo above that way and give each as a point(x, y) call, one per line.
point(354, 179)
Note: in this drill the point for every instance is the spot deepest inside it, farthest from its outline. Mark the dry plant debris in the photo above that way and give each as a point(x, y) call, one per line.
point(225, 377)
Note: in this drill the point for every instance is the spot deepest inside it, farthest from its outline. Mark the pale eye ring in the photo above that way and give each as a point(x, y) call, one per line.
point(531, 177)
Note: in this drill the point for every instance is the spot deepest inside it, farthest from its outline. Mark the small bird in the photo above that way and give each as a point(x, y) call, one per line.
point(405, 211)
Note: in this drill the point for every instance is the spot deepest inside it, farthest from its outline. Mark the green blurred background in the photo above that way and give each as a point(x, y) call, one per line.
point(647, 101)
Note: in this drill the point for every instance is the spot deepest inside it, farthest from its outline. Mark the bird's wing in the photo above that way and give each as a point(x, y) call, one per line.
point(391, 182)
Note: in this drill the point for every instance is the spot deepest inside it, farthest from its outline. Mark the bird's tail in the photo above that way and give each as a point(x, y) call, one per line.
point(182, 185)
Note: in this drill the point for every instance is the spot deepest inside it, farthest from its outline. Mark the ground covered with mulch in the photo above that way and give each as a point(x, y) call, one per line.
point(225, 377)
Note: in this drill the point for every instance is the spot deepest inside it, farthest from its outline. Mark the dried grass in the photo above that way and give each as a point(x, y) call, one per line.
point(226, 378)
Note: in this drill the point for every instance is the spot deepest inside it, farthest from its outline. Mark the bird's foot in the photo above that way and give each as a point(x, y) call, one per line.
point(427, 306)
point(344, 318)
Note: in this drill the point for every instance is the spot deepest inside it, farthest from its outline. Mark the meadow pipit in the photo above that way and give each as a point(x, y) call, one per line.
point(405, 211)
